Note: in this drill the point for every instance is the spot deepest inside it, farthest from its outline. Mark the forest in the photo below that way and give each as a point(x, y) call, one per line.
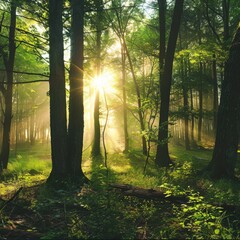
point(119, 119)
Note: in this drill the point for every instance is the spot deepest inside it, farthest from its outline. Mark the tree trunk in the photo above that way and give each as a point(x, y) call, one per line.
point(57, 91)
point(125, 127)
point(226, 7)
point(96, 151)
point(76, 111)
point(139, 102)
point(228, 119)
point(162, 156)
point(200, 99)
point(8, 92)
point(215, 92)
point(185, 105)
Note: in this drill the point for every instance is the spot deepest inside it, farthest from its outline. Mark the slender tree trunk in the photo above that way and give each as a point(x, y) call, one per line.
point(162, 156)
point(17, 121)
point(125, 127)
point(200, 100)
point(76, 110)
point(8, 92)
point(57, 91)
point(31, 127)
point(96, 151)
point(192, 118)
point(185, 105)
point(228, 120)
point(140, 112)
point(215, 92)
point(193, 143)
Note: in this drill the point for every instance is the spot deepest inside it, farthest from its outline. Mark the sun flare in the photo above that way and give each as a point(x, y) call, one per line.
point(104, 82)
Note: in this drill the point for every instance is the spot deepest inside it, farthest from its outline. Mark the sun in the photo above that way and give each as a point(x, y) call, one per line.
point(104, 82)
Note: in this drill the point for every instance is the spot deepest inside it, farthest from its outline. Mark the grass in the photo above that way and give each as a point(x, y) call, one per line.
point(29, 166)
point(96, 212)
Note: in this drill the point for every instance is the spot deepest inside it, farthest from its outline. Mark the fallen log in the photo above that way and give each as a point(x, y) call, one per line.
point(150, 194)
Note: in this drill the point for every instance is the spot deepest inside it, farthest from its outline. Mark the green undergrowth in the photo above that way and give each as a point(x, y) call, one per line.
point(98, 211)
point(26, 167)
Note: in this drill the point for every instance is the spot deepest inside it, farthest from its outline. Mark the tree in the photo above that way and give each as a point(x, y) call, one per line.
point(96, 151)
point(76, 111)
point(166, 67)
point(58, 120)
point(228, 120)
point(8, 58)
point(124, 14)
point(66, 144)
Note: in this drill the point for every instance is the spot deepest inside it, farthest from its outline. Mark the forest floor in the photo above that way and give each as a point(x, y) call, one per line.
point(121, 202)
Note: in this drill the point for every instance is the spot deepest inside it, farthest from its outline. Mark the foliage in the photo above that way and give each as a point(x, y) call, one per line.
point(96, 211)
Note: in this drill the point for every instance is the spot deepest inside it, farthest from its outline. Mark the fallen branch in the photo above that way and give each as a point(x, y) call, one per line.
point(130, 190)
point(152, 194)
point(11, 199)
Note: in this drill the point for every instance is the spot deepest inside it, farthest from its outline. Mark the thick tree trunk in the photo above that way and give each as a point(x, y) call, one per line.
point(226, 7)
point(228, 120)
point(76, 111)
point(162, 156)
point(57, 91)
point(8, 92)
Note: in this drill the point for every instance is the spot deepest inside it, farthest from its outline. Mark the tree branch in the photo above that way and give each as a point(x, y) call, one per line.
point(27, 73)
point(26, 82)
point(210, 24)
point(26, 32)
point(26, 43)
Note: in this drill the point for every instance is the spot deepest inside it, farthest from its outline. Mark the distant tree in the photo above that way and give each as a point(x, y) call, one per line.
point(8, 56)
point(166, 66)
point(121, 19)
point(228, 120)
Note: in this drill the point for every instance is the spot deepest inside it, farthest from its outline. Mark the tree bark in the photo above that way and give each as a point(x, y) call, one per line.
point(185, 105)
point(200, 106)
point(226, 7)
point(125, 127)
point(215, 92)
point(8, 91)
point(162, 156)
point(228, 120)
point(152, 194)
point(76, 110)
point(96, 150)
point(57, 91)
